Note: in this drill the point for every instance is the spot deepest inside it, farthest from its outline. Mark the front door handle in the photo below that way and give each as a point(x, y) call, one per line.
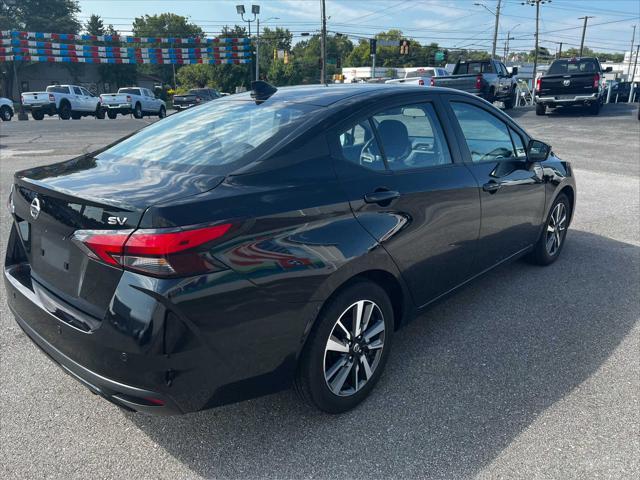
point(382, 196)
point(491, 186)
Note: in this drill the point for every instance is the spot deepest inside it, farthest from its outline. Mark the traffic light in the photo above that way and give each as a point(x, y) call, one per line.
point(339, 62)
point(372, 46)
point(404, 47)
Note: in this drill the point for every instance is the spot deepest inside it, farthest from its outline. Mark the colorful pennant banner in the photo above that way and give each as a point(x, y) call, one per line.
point(118, 38)
point(155, 61)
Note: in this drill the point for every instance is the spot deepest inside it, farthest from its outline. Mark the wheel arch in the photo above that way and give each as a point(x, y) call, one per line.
point(571, 195)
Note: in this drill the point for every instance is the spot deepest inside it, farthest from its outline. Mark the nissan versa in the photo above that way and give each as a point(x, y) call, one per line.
point(272, 238)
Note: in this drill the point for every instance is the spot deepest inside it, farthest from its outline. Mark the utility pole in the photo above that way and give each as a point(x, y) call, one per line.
point(506, 43)
point(560, 51)
point(323, 44)
point(495, 30)
point(537, 4)
point(633, 37)
point(584, 31)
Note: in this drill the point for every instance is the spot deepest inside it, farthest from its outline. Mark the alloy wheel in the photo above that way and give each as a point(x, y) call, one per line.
point(556, 228)
point(354, 348)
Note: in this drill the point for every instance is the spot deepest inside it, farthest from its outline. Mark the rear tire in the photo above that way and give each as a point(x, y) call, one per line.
point(112, 115)
point(552, 238)
point(137, 111)
point(65, 111)
point(594, 108)
point(340, 364)
point(541, 109)
point(5, 113)
point(509, 102)
point(37, 114)
point(100, 112)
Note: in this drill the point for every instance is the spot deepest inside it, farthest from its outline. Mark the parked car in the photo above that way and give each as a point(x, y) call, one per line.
point(420, 76)
point(68, 101)
point(273, 237)
point(571, 81)
point(195, 96)
point(488, 79)
point(133, 100)
point(6, 109)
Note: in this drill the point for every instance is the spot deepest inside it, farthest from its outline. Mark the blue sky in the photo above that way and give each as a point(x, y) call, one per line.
point(451, 23)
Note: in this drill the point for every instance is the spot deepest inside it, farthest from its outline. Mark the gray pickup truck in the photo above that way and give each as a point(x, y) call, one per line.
point(488, 79)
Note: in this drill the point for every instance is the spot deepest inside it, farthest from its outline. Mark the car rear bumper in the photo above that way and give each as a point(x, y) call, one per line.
point(567, 100)
point(25, 306)
point(49, 108)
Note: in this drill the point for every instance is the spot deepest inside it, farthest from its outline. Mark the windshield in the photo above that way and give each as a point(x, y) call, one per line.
point(584, 65)
point(210, 138)
point(130, 91)
point(56, 89)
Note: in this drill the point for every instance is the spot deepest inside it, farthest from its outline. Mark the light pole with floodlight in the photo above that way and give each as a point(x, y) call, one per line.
point(255, 10)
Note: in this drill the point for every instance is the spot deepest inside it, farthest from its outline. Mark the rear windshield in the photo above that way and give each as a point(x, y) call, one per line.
point(421, 73)
point(196, 91)
point(130, 91)
point(57, 89)
point(474, 68)
point(584, 65)
point(215, 138)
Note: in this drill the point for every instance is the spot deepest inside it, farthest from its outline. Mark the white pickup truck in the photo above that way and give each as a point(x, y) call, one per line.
point(137, 100)
point(68, 101)
point(420, 76)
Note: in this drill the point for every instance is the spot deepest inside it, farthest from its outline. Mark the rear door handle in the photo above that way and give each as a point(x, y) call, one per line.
point(491, 186)
point(381, 196)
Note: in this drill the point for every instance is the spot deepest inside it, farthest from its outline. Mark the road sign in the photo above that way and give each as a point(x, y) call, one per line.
point(439, 56)
point(388, 43)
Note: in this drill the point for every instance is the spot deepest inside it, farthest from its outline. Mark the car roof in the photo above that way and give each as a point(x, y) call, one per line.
point(326, 95)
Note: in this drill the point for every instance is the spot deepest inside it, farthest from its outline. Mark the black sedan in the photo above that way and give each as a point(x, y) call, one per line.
point(273, 238)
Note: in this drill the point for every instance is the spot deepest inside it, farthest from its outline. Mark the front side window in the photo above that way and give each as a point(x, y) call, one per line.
point(487, 137)
point(518, 142)
point(77, 91)
point(411, 137)
point(359, 145)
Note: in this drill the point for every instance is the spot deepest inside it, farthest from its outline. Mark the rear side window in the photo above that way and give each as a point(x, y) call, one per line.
point(209, 138)
point(411, 137)
point(487, 137)
point(77, 91)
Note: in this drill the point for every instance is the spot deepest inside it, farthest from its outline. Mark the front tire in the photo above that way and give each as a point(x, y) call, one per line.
point(347, 348)
point(162, 113)
point(100, 113)
point(549, 245)
point(65, 111)
point(5, 113)
point(541, 109)
point(594, 108)
point(509, 102)
point(37, 114)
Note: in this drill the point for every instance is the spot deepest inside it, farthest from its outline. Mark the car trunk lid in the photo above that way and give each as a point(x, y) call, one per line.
point(51, 203)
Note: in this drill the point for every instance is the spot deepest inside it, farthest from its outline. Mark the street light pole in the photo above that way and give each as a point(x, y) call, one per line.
point(495, 30)
point(633, 37)
point(255, 10)
point(323, 44)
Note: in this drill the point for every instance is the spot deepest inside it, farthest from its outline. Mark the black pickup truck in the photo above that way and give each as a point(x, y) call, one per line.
point(488, 79)
point(571, 81)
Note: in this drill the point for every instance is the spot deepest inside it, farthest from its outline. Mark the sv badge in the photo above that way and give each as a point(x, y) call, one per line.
point(117, 220)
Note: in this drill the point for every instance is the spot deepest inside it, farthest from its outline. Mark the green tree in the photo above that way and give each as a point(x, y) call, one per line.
point(164, 25)
point(56, 16)
point(94, 25)
point(194, 76)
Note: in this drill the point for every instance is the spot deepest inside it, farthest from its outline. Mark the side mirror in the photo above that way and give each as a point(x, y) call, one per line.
point(538, 151)
point(608, 69)
point(514, 71)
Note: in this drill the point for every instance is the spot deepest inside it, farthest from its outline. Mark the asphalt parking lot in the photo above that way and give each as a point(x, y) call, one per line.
point(528, 372)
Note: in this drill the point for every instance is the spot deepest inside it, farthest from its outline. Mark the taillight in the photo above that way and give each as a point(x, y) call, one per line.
point(160, 253)
point(421, 82)
point(129, 98)
point(432, 82)
point(538, 84)
point(479, 82)
point(596, 80)
point(52, 97)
